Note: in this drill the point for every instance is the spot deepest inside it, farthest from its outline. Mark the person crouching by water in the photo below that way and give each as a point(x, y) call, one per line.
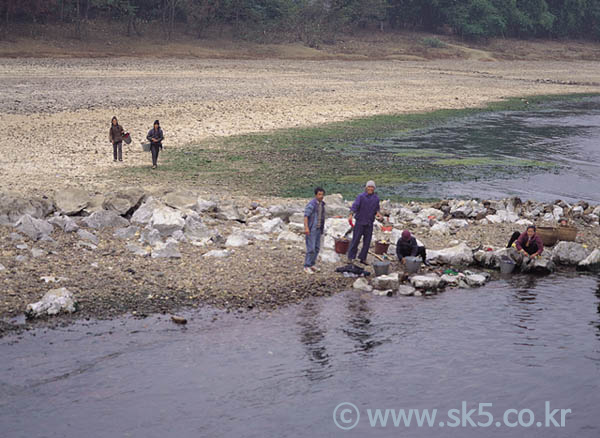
point(155, 136)
point(115, 135)
point(528, 243)
point(407, 246)
point(314, 224)
point(364, 209)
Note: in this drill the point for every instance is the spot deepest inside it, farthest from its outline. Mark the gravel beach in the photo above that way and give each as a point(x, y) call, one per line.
point(57, 113)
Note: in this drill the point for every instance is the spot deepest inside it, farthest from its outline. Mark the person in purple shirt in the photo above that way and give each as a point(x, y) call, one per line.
point(364, 210)
point(528, 243)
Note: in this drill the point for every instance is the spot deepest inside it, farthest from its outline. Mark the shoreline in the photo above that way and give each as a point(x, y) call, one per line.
point(179, 250)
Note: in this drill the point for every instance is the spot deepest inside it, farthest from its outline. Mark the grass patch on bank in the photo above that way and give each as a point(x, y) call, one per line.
point(339, 156)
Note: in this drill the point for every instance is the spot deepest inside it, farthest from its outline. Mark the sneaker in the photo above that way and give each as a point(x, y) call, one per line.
point(364, 262)
point(121, 159)
point(154, 166)
point(308, 271)
point(315, 269)
point(114, 161)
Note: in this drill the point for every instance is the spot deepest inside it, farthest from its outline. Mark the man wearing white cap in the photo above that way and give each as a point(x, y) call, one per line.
point(364, 210)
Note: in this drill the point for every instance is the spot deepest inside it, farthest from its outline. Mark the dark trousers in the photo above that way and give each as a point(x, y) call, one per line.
point(118, 150)
point(531, 249)
point(155, 149)
point(366, 232)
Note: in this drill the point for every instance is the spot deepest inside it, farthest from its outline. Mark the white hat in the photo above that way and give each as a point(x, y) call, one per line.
point(370, 184)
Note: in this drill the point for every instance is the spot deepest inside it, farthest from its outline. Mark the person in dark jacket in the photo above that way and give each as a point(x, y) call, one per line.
point(155, 136)
point(364, 209)
point(528, 243)
point(314, 225)
point(115, 135)
point(407, 246)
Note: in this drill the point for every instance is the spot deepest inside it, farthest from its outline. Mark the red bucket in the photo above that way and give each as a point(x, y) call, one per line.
point(381, 247)
point(341, 246)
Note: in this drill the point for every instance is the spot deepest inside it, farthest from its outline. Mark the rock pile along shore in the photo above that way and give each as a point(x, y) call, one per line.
point(131, 251)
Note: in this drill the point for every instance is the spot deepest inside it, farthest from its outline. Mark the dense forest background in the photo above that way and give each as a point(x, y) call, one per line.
point(318, 21)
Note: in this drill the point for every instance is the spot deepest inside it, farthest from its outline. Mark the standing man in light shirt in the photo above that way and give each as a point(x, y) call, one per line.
point(365, 209)
point(314, 224)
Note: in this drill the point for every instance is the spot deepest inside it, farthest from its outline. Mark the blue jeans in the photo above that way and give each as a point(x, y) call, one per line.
point(313, 246)
point(366, 232)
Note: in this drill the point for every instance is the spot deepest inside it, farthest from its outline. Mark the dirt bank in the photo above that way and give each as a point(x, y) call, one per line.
point(56, 112)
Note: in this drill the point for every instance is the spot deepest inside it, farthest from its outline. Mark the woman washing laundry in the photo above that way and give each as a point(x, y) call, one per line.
point(528, 243)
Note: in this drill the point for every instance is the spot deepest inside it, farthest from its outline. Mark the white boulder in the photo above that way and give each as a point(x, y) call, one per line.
point(460, 254)
point(591, 262)
point(429, 281)
point(569, 253)
point(362, 284)
point(166, 220)
point(328, 256)
point(53, 302)
point(273, 225)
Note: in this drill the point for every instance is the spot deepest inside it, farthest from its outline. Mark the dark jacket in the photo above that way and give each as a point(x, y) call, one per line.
point(407, 248)
point(311, 212)
point(155, 134)
point(365, 207)
point(523, 240)
point(115, 134)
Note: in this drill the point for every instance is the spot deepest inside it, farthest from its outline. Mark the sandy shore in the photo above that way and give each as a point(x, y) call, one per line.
point(56, 112)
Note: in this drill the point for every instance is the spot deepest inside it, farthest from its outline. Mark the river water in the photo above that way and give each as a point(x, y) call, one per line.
point(516, 343)
point(563, 137)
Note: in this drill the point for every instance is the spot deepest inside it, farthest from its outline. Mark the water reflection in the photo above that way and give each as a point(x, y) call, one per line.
point(515, 343)
point(360, 328)
point(312, 337)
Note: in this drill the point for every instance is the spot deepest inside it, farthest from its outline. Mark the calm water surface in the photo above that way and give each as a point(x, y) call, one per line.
point(564, 136)
point(515, 343)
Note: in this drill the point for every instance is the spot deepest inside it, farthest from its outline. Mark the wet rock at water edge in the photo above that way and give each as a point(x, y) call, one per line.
point(591, 262)
point(384, 282)
point(406, 290)
point(429, 281)
point(53, 302)
point(362, 284)
point(569, 253)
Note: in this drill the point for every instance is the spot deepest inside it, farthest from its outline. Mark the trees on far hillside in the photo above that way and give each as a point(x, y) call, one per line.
point(313, 20)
